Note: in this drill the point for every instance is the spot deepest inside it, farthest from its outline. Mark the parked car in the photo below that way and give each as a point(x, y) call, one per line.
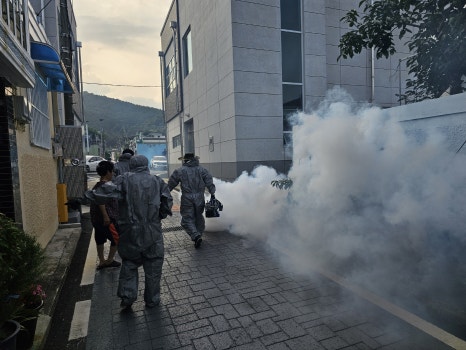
point(159, 163)
point(92, 162)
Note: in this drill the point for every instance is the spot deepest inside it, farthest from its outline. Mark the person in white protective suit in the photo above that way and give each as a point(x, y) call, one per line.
point(193, 180)
point(144, 200)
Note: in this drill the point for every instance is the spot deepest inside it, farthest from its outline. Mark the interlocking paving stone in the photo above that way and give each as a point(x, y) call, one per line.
point(274, 338)
point(203, 344)
point(218, 301)
point(291, 328)
point(258, 304)
point(206, 312)
point(192, 325)
point(321, 332)
point(244, 309)
point(220, 323)
point(186, 338)
point(240, 336)
point(250, 346)
point(268, 326)
point(222, 340)
point(304, 343)
point(166, 342)
point(334, 343)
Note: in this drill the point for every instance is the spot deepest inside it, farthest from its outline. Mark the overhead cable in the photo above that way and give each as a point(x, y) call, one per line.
point(125, 85)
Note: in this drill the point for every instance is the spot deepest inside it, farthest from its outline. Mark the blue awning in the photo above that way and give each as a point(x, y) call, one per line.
point(50, 64)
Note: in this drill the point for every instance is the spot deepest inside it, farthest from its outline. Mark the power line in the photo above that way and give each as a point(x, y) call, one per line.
point(42, 9)
point(125, 85)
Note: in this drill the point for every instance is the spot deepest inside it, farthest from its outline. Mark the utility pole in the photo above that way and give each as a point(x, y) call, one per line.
point(102, 142)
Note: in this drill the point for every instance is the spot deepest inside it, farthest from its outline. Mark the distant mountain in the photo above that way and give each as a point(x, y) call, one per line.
point(120, 120)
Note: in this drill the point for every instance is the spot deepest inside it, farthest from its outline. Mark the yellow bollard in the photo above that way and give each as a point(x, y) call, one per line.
point(61, 200)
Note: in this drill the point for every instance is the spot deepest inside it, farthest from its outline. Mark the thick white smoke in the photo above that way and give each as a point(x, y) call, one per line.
point(367, 201)
point(252, 207)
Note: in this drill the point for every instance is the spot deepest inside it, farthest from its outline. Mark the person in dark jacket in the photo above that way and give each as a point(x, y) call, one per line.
point(193, 180)
point(122, 166)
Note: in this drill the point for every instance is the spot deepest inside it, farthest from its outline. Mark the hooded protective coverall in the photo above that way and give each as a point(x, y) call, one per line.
point(141, 240)
point(122, 166)
point(194, 179)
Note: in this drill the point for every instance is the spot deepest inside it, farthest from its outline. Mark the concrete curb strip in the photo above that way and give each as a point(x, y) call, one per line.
point(59, 252)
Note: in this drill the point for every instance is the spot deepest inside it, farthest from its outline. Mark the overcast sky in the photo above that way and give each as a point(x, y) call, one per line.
point(120, 45)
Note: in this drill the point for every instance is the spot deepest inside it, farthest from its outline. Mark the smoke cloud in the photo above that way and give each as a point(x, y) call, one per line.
point(367, 202)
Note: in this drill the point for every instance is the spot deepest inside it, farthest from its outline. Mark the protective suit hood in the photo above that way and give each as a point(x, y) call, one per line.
point(192, 162)
point(138, 164)
point(125, 157)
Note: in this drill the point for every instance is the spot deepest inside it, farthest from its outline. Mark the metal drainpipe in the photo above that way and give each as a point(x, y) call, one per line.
point(174, 26)
point(162, 78)
point(372, 69)
point(81, 93)
point(162, 84)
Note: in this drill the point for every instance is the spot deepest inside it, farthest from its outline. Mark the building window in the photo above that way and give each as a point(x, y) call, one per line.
point(170, 69)
point(290, 11)
point(291, 57)
point(292, 102)
point(11, 17)
point(292, 62)
point(288, 139)
point(176, 140)
point(187, 53)
point(189, 136)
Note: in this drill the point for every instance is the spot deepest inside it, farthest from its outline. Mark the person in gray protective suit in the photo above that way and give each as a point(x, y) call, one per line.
point(144, 200)
point(194, 179)
point(122, 166)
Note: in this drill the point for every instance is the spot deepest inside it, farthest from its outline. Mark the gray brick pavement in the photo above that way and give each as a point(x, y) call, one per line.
point(232, 294)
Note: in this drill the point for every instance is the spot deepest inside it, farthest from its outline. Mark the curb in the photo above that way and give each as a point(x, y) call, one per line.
point(59, 252)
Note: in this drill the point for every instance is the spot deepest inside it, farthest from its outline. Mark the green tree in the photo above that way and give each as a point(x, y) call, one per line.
point(434, 30)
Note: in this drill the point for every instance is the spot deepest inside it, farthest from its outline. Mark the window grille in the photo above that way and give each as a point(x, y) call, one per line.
point(40, 122)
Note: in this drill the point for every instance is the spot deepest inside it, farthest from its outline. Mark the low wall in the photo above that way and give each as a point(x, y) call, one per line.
point(446, 114)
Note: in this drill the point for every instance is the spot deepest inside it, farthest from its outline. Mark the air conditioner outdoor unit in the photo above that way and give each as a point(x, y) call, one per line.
point(21, 109)
point(57, 149)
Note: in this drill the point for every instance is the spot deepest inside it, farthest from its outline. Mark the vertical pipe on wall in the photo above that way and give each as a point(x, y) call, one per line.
point(399, 80)
point(372, 69)
point(162, 78)
point(81, 92)
point(174, 27)
point(61, 203)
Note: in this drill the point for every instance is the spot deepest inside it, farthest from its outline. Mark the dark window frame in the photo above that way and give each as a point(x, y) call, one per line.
point(290, 10)
point(292, 64)
point(187, 52)
point(170, 69)
point(176, 141)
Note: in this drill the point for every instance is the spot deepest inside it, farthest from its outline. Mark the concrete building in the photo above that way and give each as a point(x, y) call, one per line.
point(233, 71)
point(40, 114)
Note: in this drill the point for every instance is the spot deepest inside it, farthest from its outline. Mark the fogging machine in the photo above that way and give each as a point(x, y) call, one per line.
point(212, 208)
